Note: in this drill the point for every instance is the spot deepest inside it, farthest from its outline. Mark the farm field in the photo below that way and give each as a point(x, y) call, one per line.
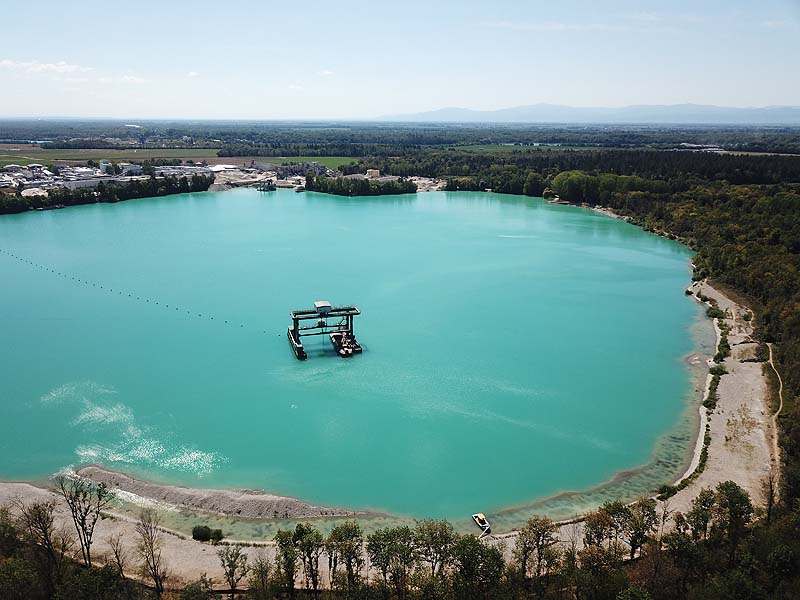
point(24, 154)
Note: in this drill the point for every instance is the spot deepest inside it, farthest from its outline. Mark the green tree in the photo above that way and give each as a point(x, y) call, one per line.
point(434, 541)
point(732, 513)
point(260, 580)
point(478, 568)
point(403, 558)
point(640, 521)
point(286, 558)
point(311, 544)
point(534, 184)
point(199, 590)
point(699, 515)
point(234, 566)
point(534, 542)
point(379, 552)
point(344, 547)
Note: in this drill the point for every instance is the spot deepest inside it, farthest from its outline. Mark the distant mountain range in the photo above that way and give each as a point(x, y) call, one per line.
point(639, 114)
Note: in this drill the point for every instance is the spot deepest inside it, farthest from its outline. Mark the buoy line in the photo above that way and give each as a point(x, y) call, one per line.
point(130, 295)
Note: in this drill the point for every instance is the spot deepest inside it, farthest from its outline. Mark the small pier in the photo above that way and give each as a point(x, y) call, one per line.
point(324, 319)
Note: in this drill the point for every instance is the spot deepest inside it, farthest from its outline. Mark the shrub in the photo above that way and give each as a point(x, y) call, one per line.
point(201, 533)
point(216, 536)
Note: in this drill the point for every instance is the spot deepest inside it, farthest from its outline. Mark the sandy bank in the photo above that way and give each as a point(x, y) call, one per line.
point(249, 504)
point(740, 426)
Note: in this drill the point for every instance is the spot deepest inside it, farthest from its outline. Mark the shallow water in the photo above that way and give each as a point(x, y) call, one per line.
point(513, 349)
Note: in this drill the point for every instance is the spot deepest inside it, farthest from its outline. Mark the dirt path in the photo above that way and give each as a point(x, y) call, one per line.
point(776, 451)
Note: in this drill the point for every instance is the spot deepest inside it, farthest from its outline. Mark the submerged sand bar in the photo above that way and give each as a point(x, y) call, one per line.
point(250, 504)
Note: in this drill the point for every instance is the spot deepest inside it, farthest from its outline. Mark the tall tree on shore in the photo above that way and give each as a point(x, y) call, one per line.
point(85, 500)
point(234, 566)
point(640, 521)
point(379, 552)
point(345, 546)
point(310, 544)
point(534, 541)
point(434, 540)
point(403, 557)
point(699, 515)
point(149, 548)
point(52, 545)
point(286, 557)
point(260, 581)
point(478, 568)
point(732, 513)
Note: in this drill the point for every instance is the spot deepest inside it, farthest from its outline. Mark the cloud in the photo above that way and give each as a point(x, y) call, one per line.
point(326, 73)
point(133, 79)
point(554, 26)
point(295, 86)
point(780, 24)
point(34, 66)
point(192, 74)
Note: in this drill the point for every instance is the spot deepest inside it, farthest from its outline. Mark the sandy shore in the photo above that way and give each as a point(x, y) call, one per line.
point(740, 426)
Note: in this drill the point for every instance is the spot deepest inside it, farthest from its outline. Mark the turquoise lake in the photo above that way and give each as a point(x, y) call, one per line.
point(513, 349)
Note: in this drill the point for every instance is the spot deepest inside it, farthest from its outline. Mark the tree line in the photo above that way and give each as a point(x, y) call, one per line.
point(721, 548)
point(346, 186)
point(106, 192)
point(679, 168)
point(111, 133)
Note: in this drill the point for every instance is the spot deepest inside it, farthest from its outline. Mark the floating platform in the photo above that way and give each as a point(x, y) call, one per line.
point(296, 344)
point(334, 322)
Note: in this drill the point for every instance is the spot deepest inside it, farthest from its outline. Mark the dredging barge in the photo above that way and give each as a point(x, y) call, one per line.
point(340, 331)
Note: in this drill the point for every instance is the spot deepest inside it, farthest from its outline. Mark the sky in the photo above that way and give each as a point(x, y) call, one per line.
point(360, 60)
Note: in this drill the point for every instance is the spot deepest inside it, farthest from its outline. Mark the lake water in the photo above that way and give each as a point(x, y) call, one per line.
point(512, 349)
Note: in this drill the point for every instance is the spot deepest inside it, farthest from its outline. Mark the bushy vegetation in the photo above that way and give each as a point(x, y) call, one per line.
point(204, 533)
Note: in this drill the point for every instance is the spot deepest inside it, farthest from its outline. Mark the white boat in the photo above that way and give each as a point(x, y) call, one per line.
point(482, 522)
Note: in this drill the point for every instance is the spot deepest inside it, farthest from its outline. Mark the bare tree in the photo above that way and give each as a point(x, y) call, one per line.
point(85, 501)
point(53, 544)
point(234, 565)
point(260, 577)
point(149, 549)
point(119, 554)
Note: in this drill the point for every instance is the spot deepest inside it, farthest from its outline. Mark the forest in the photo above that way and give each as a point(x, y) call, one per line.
point(337, 138)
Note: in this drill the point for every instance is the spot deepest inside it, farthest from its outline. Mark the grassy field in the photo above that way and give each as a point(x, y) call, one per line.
point(329, 161)
point(23, 154)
